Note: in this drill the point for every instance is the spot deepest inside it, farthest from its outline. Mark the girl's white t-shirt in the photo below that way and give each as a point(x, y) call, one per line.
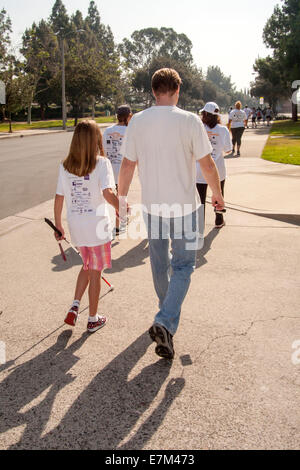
point(87, 211)
point(220, 140)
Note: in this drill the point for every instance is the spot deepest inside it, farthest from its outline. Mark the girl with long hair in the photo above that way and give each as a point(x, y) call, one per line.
point(86, 182)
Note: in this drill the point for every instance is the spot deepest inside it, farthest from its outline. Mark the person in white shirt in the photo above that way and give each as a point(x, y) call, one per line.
point(237, 124)
point(165, 142)
point(254, 116)
point(269, 115)
point(248, 112)
point(113, 137)
point(86, 183)
point(220, 140)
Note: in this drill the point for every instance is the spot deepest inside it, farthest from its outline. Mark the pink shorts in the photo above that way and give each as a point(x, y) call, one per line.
point(96, 258)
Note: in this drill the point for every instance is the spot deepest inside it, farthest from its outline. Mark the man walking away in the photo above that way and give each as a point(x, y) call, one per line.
point(248, 112)
point(166, 142)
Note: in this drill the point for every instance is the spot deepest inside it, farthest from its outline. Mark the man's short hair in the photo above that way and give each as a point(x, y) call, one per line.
point(123, 112)
point(166, 81)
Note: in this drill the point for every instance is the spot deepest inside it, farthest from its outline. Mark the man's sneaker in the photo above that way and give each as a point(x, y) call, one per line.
point(238, 154)
point(95, 326)
point(164, 341)
point(219, 220)
point(72, 316)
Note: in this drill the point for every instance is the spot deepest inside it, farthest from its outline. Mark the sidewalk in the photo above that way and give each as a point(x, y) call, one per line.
point(50, 130)
point(233, 384)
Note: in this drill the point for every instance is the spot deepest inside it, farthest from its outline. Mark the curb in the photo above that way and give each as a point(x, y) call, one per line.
point(28, 133)
point(33, 214)
point(16, 135)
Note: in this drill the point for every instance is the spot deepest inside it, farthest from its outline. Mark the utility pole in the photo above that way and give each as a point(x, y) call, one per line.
point(60, 34)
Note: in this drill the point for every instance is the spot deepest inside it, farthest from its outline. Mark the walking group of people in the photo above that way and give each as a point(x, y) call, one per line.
point(178, 156)
point(257, 115)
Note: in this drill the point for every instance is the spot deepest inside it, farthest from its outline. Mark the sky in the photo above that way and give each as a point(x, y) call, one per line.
point(224, 33)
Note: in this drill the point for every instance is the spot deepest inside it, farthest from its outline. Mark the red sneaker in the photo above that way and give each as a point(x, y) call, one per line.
point(72, 316)
point(95, 326)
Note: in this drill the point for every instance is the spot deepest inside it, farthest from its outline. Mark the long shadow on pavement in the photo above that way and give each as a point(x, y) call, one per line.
point(48, 370)
point(132, 258)
point(201, 260)
point(103, 414)
point(73, 259)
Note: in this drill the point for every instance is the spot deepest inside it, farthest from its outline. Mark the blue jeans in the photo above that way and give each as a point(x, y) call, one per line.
point(172, 274)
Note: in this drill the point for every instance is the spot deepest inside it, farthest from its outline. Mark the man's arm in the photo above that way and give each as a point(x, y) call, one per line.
point(211, 176)
point(125, 179)
point(125, 176)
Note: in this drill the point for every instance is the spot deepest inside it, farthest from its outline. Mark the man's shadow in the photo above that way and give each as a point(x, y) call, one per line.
point(208, 241)
point(105, 412)
point(48, 370)
point(132, 258)
point(108, 409)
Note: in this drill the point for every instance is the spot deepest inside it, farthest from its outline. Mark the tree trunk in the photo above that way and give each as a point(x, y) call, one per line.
point(42, 112)
point(76, 115)
point(29, 113)
point(295, 112)
point(10, 125)
point(93, 107)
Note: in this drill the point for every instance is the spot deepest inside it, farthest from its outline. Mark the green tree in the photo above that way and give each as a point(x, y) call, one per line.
point(216, 76)
point(59, 19)
point(40, 50)
point(147, 44)
point(282, 35)
point(5, 42)
point(191, 90)
point(269, 82)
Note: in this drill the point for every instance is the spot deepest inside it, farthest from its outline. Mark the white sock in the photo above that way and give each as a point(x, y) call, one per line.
point(93, 319)
point(76, 303)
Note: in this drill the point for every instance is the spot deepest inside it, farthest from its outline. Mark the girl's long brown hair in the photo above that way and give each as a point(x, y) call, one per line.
point(211, 120)
point(86, 145)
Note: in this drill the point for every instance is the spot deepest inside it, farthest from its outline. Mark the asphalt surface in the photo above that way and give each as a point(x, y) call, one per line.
point(234, 382)
point(28, 170)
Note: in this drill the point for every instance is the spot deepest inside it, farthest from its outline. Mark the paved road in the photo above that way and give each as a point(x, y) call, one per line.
point(31, 164)
point(232, 385)
point(28, 170)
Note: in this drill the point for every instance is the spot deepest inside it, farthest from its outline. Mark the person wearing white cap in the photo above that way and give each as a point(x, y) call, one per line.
point(237, 124)
point(220, 140)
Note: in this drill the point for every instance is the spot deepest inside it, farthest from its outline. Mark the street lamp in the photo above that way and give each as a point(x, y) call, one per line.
point(63, 97)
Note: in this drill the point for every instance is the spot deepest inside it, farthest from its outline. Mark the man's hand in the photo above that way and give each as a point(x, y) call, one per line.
point(124, 209)
point(218, 202)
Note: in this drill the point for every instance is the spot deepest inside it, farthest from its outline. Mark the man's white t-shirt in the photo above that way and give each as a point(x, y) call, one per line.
point(237, 116)
point(86, 206)
point(112, 141)
point(220, 140)
point(247, 111)
point(166, 142)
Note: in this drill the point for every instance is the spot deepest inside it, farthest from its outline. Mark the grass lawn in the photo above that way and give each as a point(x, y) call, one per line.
point(4, 127)
point(286, 128)
point(283, 149)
